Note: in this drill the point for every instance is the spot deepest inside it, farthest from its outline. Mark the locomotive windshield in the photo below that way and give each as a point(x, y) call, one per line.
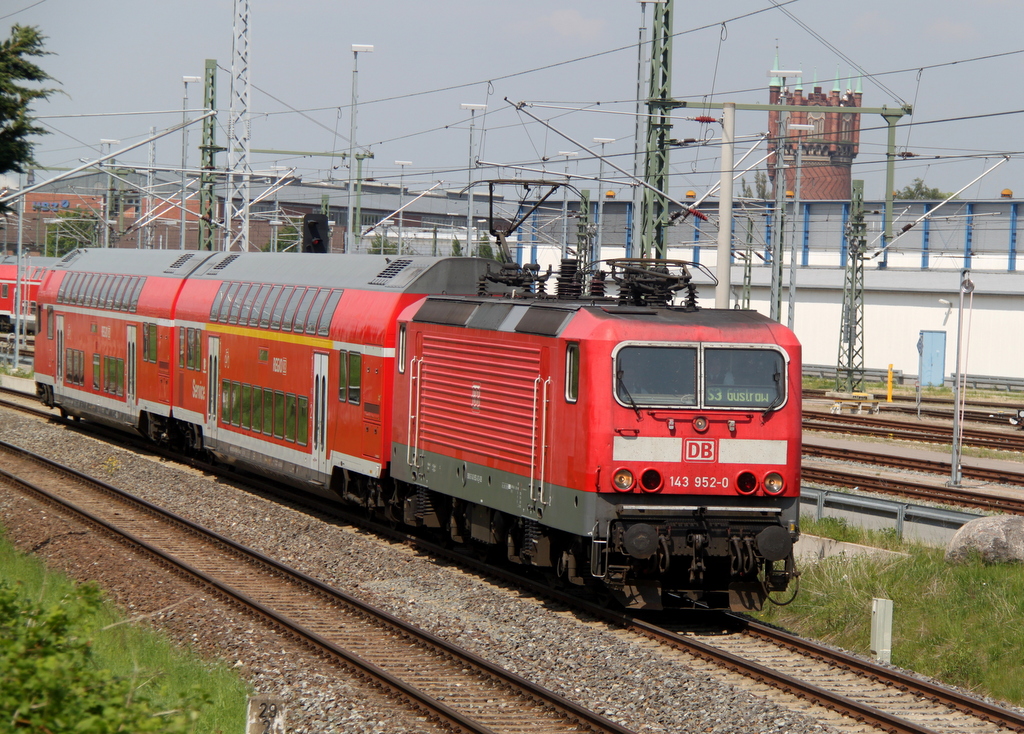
point(657, 375)
point(668, 376)
point(743, 378)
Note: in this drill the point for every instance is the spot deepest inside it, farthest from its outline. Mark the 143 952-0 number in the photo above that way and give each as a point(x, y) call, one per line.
point(686, 482)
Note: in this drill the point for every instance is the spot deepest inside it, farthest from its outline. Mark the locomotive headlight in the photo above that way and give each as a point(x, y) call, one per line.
point(773, 483)
point(700, 424)
point(623, 480)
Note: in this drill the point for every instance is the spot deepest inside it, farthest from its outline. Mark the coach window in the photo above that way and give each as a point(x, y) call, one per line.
point(246, 404)
point(95, 372)
point(99, 294)
point(49, 322)
point(257, 409)
point(289, 417)
point(282, 301)
point(257, 305)
point(136, 293)
point(572, 372)
point(225, 402)
point(229, 300)
point(744, 378)
point(107, 296)
point(278, 414)
point(314, 311)
point(240, 297)
point(95, 281)
point(217, 300)
point(299, 324)
point(268, 307)
point(149, 343)
point(324, 325)
point(293, 305)
point(195, 350)
point(182, 334)
point(119, 299)
point(302, 437)
point(342, 375)
point(355, 376)
point(104, 291)
point(250, 297)
point(4, 288)
point(268, 411)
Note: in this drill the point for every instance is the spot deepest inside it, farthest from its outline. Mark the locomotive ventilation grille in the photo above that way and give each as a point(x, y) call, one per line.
point(225, 262)
point(393, 269)
point(179, 262)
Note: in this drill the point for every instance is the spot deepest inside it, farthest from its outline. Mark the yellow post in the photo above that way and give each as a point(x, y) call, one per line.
point(888, 392)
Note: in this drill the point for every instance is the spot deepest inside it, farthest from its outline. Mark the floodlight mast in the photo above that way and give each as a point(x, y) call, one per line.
point(354, 227)
point(473, 109)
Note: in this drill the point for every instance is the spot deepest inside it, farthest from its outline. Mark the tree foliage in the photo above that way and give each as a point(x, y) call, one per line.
point(74, 229)
point(16, 97)
point(49, 680)
point(918, 190)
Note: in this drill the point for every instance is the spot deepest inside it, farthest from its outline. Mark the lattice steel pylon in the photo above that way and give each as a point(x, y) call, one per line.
point(208, 161)
point(236, 202)
point(850, 364)
point(655, 214)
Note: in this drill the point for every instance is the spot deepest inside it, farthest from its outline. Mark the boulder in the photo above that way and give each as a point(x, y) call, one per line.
point(998, 539)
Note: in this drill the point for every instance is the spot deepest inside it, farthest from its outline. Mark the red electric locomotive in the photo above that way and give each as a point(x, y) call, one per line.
point(648, 449)
point(31, 274)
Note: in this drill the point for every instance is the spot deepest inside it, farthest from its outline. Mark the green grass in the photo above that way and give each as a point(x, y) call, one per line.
point(153, 664)
point(960, 623)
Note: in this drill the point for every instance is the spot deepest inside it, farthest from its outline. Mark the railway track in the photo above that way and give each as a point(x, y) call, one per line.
point(920, 432)
point(448, 684)
point(977, 411)
point(911, 463)
point(858, 693)
point(848, 692)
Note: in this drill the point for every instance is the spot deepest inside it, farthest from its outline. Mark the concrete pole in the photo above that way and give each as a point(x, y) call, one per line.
point(725, 207)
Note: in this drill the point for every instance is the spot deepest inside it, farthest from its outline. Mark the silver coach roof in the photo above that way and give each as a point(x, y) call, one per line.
point(406, 274)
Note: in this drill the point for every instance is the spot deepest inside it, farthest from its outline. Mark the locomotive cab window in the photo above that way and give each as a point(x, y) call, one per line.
point(744, 378)
point(572, 372)
point(656, 375)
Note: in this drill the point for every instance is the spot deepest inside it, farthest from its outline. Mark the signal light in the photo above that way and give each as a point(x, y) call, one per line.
point(314, 233)
point(623, 480)
point(650, 480)
point(746, 483)
point(773, 483)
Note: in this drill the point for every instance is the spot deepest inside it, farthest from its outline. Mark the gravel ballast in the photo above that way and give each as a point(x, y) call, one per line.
point(636, 685)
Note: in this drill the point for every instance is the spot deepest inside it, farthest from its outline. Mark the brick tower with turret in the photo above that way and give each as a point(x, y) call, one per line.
point(828, 150)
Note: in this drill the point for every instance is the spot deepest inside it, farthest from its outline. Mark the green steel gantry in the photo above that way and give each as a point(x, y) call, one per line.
point(655, 214)
point(208, 160)
point(850, 362)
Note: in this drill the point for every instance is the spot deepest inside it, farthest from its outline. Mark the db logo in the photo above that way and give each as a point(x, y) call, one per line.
point(699, 449)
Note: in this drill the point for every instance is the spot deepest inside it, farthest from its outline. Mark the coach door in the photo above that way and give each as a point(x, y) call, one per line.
point(320, 402)
point(212, 385)
point(60, 350)
point(130, 369)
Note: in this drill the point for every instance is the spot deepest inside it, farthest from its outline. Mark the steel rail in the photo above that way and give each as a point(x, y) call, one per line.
point(931, 466)
point(566, 708)
point(914, 490)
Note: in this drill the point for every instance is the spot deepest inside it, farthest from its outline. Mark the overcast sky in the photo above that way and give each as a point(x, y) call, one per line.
point(114, 57)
